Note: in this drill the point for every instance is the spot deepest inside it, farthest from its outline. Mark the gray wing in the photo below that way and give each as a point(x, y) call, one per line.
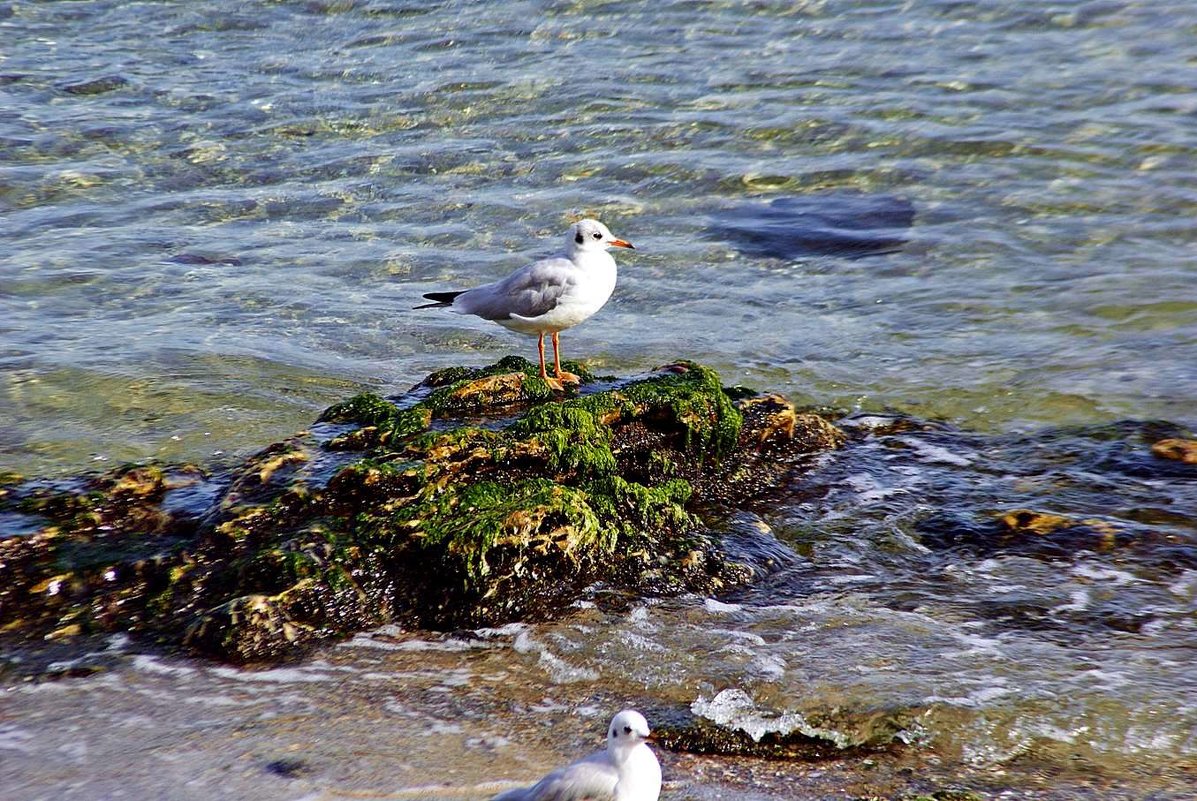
point(528, 292)
point(591, 779)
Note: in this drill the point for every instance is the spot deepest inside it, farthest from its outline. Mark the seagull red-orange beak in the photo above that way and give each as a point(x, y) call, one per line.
point(619, 243)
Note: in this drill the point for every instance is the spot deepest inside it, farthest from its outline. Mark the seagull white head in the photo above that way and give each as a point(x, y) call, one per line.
point(592, 235)
point(627, 730)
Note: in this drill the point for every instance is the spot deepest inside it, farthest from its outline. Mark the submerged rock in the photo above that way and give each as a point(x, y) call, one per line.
point(840, 223)
point(1180, 450)
point(480, 497)
point(95, 86)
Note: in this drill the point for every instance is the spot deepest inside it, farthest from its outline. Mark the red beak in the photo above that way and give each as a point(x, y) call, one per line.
point(619, 243)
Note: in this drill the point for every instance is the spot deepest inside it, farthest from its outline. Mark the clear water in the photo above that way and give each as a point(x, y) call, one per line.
point(198, 257)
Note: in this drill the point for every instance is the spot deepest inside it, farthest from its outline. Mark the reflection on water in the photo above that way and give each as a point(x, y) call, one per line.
point(216, 218)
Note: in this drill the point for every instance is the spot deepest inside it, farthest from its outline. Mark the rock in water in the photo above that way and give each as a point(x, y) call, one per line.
point(850, 224)
point(475, 499)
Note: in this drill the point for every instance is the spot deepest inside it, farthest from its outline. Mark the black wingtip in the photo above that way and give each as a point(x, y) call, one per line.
point(439, 300)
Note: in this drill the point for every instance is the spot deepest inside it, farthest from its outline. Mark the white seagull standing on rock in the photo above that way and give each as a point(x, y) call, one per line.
point(627, 771)
point(548, 296)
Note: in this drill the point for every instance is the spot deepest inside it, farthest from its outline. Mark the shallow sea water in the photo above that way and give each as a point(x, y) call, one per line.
point(215, 217)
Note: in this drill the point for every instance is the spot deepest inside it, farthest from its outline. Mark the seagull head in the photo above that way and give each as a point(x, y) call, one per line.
point(627, 729)
point(593, 235)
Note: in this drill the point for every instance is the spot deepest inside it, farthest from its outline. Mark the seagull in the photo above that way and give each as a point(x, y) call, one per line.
point(547, 296)
point(627, 771)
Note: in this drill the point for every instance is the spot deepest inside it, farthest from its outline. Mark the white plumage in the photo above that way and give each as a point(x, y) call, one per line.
point(547, 296)
point(627, 771)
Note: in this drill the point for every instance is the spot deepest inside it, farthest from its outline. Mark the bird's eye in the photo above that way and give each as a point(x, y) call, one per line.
point(613, 733)
point(578, 238)
point(627, 729)
point(597, 235)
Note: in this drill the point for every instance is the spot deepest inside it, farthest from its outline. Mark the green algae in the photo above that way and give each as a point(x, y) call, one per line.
point(574, 433)
point(449, 391)
point(371, 410)
point(642, 512)
point(524, 519)
point(692, 397)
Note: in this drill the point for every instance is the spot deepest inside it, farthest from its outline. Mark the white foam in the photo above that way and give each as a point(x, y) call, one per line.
point(558, 670)
point(1118, 578)
point(508, 630)
point(974, 700)
point(935, 454)
point(733, 708)
point(770, 667)
point(1185, 586)
point(851, 579)
point(871, 422)
point(720, 608)
point(1079, 602)
point(449, 644)
point(457, 678)
point(151, 664)
point(368, 640)
point(642, 643)
point(749, 636)
point(276, 675)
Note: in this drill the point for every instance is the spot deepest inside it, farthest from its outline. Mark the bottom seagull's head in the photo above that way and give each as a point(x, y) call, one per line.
point(593, 235)
point(627, 729)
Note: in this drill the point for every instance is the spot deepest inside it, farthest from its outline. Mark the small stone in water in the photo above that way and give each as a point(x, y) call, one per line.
point(1182, 450)
point(95, 86)
point(288, 768)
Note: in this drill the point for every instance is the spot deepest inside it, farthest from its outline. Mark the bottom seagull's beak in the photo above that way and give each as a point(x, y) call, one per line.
point(619, 243)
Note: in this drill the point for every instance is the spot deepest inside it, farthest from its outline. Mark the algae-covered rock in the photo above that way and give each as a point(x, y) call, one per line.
point(480, 497)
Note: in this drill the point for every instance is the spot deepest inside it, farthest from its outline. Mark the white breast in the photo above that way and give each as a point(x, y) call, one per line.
point(640, 776)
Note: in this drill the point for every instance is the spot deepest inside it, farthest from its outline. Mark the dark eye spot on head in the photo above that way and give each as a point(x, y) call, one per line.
point(597, 235)
point(627, 729)
point(613, 732)
point(578, 237)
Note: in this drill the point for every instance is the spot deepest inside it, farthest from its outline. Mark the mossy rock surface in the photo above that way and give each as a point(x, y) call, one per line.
point(480, 497)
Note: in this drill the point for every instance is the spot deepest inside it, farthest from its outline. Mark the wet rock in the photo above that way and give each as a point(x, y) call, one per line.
point(776, 423)
point(1026, 531)
point(288, 768)
point(1180, 450)
point(95, 86)
point(1090, 533)
point(411, 511)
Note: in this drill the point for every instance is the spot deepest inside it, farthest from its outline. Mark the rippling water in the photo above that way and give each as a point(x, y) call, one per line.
point(227, 234)
point(215, 217)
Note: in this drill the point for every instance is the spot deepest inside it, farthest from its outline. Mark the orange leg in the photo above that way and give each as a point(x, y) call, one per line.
point(570, 377)
point(544, 373)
